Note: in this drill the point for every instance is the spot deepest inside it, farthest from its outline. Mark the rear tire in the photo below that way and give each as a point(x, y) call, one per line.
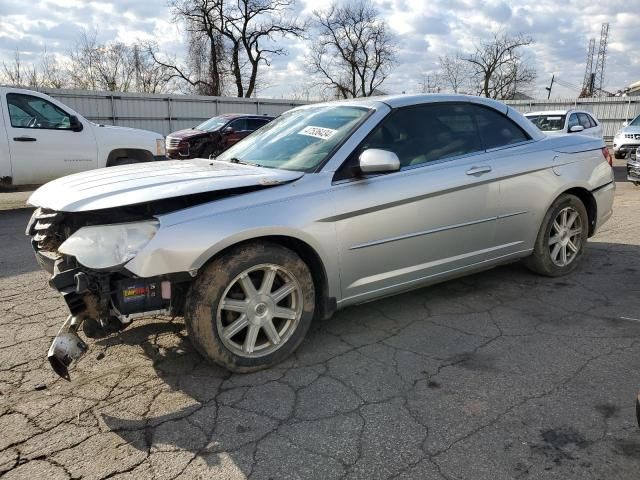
point(561, 239)
point(619, 156)
point(250, 308)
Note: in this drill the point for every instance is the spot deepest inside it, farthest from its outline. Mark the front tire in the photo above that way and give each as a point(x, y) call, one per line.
point(561, 239)
point(250, 308)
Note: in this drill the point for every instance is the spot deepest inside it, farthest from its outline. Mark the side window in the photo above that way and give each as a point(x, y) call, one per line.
point(27, 111)
point(255, 123)
point(573, 121)
point(239, 125)
point(496, 129)
point(592, 120)
point(584, 120)
point(426, 133)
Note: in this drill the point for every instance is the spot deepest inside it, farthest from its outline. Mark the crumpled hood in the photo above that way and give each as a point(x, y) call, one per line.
point(187, 133)
point(146, 182)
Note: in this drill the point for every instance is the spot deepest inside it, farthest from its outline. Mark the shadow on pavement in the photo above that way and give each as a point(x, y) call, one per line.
point(16, 254)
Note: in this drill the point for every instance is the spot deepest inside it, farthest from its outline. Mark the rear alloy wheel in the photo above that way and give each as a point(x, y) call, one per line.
point(251, 307)
point(561, 239)
point(565, 238)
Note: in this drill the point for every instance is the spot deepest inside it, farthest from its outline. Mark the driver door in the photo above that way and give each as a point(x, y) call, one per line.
point(42, 145)
point(434, 217)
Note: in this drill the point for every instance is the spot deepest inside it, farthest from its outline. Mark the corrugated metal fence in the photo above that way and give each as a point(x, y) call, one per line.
point(162, 113)
point(168, 113)
point(611, 111)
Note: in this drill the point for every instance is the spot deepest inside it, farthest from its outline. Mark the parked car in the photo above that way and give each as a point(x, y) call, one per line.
point(554, 122)
point(42, 139)
point(627, 139)
point(213, 136)
point(327, 206)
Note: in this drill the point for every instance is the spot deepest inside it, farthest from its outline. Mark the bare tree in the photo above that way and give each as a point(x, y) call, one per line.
point(231, 38)
point(39, 74)
point(500, 67)
point(455, 72)
point(52, 73)
point(204, 70)
point(149, 76)
point(254, 24)
point(96, 66)
point(17, 73)
point(352, 53)
point(431, 83)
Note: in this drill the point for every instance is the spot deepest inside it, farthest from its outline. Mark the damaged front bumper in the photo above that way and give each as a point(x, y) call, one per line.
point(101, 302)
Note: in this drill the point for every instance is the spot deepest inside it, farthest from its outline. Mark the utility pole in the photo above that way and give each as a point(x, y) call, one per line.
point(548, 89)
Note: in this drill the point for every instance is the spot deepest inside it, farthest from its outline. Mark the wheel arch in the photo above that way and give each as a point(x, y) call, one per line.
point(325, 304)
point(139, 154)
point(590, 204)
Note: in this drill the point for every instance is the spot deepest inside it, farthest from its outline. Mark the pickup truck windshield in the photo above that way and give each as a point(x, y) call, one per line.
point(298, 140)
point(548, 123)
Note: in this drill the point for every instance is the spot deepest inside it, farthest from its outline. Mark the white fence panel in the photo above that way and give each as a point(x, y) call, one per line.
point(168, 113)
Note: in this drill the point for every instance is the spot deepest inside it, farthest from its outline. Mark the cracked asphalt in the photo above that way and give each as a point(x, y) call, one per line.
point(499, 375)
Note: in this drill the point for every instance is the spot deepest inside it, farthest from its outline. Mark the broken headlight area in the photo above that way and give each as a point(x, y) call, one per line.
point(85, 260)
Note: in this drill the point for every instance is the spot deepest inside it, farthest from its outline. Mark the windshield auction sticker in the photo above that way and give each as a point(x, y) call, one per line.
point(318, 132)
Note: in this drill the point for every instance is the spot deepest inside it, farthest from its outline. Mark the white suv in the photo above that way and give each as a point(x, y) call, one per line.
point(627, 139)
point(566, 121)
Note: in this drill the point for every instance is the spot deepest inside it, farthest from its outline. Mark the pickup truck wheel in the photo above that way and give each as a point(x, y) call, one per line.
point(123, 161)
point(561, 239)
point(250, 308)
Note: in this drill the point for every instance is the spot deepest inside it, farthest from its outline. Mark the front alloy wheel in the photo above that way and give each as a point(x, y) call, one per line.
point(251, 307)
point(259, 311)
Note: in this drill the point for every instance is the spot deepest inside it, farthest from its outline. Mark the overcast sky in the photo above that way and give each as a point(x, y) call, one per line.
point(424, 29)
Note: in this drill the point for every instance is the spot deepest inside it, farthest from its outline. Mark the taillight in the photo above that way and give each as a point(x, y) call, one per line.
point(607, 156)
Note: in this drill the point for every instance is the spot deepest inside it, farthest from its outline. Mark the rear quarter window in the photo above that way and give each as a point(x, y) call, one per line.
point(496, 129)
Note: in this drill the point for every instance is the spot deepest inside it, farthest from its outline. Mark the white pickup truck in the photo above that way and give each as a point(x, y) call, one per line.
point(42, 139)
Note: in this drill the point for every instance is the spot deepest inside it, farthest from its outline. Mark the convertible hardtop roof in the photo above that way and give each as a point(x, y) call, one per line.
point(406, 100)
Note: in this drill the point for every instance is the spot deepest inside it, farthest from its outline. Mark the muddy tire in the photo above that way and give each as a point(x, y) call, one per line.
point(561, 239)
point(251, 307)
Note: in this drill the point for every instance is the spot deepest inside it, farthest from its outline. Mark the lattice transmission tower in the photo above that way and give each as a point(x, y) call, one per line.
point(587, 83)
point(598, 73)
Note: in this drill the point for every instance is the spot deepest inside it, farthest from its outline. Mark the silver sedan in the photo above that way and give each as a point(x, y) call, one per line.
point(329, 205)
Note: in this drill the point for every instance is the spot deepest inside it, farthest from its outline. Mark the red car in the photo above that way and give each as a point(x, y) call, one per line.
point(213, 136)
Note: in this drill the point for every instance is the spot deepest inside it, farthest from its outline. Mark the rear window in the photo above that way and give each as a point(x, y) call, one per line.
point(548, 123)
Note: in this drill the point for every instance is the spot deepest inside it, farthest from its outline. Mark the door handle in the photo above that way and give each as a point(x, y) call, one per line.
point(477, 171)
point(24, 139)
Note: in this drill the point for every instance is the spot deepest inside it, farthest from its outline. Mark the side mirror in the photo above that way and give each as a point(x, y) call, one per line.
point(228, 130)
point(74, 124)
point(374, 160)
point(576, 129)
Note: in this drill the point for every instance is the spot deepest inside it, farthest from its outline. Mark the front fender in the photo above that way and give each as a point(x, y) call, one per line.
point(187, 246)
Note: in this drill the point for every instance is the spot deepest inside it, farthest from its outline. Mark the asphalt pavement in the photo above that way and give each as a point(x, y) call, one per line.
point(500, 375)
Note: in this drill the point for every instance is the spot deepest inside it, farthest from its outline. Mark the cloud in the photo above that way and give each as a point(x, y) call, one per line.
point(423, 31)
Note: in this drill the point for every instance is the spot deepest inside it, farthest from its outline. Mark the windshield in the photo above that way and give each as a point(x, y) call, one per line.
point(548, 123)
point(297, 140)
point(212, 124)
point(635, 122)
